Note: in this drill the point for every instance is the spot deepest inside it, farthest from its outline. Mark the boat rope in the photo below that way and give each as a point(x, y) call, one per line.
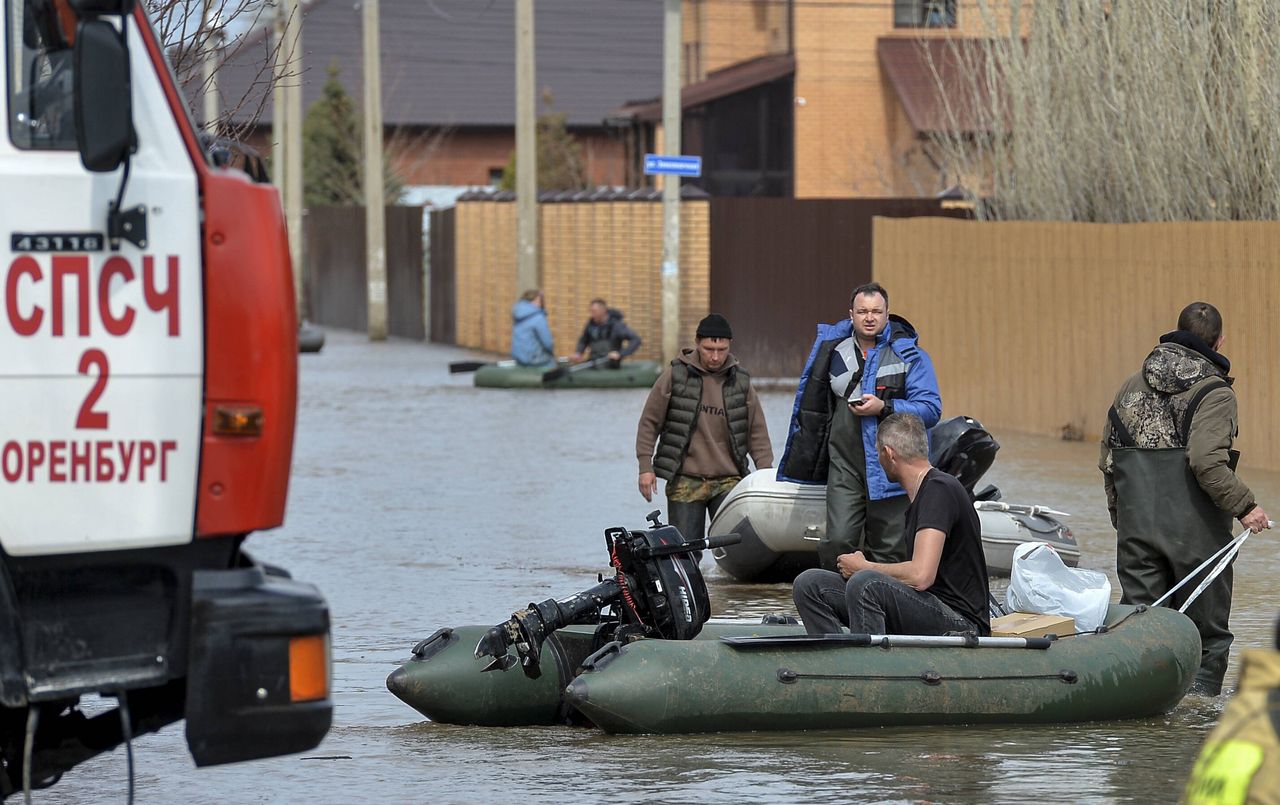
point(28, 749)
point(1226, 552)
point(932, 678)
point(1104, 628)
point(126, 727)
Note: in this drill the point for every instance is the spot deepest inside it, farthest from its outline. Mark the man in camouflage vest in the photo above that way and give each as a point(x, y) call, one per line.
point(1169, 473)
point(705, 419)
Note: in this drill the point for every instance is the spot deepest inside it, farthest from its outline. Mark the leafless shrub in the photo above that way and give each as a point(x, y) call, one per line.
point(409, 151)
point(199, 35)
point(1128, 110)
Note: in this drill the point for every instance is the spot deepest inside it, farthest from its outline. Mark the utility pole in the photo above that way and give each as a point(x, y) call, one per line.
point(526, 153)
point(208, 65)
point(671, 46)
point(277, 105)
point(293, 147)
point(375, 241)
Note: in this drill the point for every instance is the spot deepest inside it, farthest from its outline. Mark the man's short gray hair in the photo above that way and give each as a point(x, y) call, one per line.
point(905, 434)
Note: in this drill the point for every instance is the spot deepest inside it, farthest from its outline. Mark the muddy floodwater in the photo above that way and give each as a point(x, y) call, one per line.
point(418, 502)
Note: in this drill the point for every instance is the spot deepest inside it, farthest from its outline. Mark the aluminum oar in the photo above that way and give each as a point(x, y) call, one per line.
point(884, 641)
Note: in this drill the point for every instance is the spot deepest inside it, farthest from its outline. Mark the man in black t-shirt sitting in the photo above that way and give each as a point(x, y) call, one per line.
point(941, 588)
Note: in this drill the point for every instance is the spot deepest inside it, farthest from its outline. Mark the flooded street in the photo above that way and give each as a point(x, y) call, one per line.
point(419, 502)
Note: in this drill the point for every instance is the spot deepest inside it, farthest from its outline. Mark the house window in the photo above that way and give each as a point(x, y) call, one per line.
point(924, 13)
point(495, 176)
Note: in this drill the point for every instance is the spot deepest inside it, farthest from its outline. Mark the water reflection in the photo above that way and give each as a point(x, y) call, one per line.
point(419, 502)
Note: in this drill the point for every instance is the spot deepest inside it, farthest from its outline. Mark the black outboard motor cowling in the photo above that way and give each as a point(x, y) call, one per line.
point(675, 602)
point(960, 446)
point(656, 591)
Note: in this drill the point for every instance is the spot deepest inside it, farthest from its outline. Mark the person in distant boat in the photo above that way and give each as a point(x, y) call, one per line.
point(530, 334)
point(859, 372)
point(705, 420)
point(941, 588)
point(1169, 473)
point(606, 335)
point(1240, 760)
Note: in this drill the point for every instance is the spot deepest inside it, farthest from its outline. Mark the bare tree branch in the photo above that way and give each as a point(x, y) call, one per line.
point(1141, 110)
point(192, 31)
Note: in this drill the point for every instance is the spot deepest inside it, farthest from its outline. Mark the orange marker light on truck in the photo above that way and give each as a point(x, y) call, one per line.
point(237, 420)
point(308, 668)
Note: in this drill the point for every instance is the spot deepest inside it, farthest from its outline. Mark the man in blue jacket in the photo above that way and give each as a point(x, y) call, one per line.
point(859, 372)
point(530, 333)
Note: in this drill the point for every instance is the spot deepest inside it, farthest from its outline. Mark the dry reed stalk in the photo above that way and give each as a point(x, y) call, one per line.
point(1129, 110)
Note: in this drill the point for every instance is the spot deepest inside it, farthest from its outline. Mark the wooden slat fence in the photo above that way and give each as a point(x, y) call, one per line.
point(1033, 326)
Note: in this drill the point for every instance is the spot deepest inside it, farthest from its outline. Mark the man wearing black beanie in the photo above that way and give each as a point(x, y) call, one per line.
point(714, 326)
point(705, 420)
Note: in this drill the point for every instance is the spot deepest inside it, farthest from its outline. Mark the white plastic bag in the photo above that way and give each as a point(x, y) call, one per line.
point(1039, 582)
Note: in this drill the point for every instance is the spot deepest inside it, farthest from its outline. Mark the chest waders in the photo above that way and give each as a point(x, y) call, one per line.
point(1166, 525)
point(601, 347)
point(855, 522)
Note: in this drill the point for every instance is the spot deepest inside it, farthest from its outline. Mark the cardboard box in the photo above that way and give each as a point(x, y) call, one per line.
point(1026, 624)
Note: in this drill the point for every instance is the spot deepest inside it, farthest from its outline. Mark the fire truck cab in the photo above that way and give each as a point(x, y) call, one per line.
point(148, 380)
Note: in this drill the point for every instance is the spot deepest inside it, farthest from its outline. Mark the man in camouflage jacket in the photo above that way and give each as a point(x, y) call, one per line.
point(1169, 473)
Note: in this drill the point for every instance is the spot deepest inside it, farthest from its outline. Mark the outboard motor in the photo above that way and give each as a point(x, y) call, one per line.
point(961, 447)
point(656, 591)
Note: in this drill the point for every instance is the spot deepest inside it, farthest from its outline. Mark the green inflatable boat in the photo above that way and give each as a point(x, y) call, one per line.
point(1141, 667)
point(509, 375)
point(636, 653)
point(738, 676)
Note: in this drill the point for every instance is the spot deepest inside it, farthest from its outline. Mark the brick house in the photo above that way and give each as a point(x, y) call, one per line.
point(448, 79)
point(816, 98)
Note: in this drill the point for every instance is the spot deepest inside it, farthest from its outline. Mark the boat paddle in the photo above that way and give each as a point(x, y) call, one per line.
point(885, 641)
point(1016, 508)
point(569, 368)
point(459, 367)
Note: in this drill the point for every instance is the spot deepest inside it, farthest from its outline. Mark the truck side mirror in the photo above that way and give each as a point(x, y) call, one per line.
point(103, 98)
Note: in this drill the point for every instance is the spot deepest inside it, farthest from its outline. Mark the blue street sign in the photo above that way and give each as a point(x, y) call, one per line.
point(673, 165)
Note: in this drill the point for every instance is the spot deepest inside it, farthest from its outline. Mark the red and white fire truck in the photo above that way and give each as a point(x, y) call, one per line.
point(148, 380)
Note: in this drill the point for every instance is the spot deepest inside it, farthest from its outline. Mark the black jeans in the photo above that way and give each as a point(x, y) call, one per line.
point(870, 603)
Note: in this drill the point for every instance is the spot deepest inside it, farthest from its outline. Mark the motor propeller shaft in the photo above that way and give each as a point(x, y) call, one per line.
point(631, 595)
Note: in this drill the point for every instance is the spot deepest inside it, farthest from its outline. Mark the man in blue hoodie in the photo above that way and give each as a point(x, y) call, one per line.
point(530, 333)
point(859, 371)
